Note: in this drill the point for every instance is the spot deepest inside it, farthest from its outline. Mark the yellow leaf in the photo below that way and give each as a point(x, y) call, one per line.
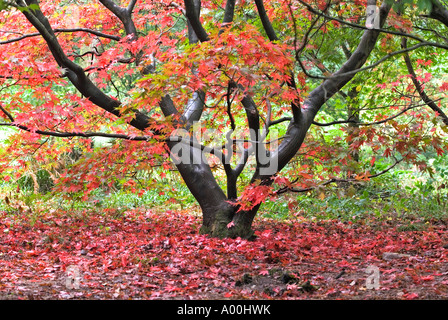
point(351, 191)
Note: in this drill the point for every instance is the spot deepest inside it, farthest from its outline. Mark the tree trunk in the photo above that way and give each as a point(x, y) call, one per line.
point(220, 217)
point(226, 222)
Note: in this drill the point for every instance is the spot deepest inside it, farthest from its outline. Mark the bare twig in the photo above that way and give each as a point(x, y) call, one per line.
point(335, 180)
point(421, 91)
point(61, 30)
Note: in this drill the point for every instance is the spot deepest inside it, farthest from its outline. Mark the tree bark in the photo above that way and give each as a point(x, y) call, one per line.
point(439, 12)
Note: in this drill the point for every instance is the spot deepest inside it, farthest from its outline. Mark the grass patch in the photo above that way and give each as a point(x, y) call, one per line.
point(380, 198)
point(402, 194)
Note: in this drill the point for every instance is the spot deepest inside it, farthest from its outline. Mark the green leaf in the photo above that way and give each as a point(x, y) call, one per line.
point(3, 5)
point(424, 5)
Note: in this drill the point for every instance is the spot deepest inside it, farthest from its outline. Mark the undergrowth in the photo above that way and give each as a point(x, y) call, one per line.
point(401, 194)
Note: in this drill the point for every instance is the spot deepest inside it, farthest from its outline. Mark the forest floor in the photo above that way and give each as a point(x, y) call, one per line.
point(154, 255)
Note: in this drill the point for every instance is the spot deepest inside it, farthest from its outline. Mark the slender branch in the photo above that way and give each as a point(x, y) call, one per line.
point(386, 170)
point(429, 102)
point(307, 33)
point(75, 134)
point(35, 77)
point(433, 31)
point(358, 123)
point(215, 151)
point(60, 30)
point(284, 119)
point(365, 123)
point(92, 53)
point(335, 180)
point(358, 26)
point(388, 56)
point(94, 32)
point(211, 150)
point(378, 62)
point(10, 117)
point(105, 67)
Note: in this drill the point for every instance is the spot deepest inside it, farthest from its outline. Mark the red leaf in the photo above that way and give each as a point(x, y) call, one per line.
point(427, 278)
point(124, 260)
point(410, 296)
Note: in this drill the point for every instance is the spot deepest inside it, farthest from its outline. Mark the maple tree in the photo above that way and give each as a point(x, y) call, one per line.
point(156, 74)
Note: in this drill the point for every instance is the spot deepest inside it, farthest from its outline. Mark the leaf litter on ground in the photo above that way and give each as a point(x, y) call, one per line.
point(161, 255)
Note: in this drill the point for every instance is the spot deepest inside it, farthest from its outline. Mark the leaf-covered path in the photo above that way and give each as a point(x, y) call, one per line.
point(149, 255)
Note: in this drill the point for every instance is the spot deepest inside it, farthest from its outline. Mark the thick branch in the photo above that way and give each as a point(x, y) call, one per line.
point(298, 128)
point(131, 6)
point(229, 12)
point(265, 21)
point(192, 14)
point(76, 73)
point(439, 12)
point(124, 14)
point(195, 105)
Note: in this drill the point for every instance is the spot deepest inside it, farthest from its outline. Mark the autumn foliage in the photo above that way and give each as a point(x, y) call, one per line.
point(152, 255)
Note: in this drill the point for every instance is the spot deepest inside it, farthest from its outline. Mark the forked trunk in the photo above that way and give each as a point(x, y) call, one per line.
point(220, 217)
point(227, 222)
